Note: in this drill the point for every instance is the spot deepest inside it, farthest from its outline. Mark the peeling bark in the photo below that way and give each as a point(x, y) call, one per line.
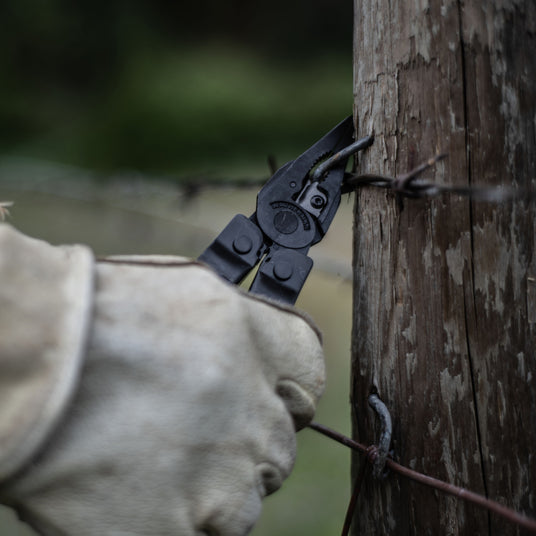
point(445, 289)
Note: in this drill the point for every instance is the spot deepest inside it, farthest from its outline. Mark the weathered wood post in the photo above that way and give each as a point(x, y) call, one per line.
point(445, 289)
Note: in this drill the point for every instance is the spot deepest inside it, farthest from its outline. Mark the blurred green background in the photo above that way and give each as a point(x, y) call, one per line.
point(171, 87)
point(112, 112)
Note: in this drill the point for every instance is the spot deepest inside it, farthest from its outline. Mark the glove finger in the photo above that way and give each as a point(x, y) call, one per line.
point(285, 343)
point(290, 350)
point(231, 486)
point(237, 522)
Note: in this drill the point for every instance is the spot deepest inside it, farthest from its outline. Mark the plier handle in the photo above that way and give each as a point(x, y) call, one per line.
point(294, 211)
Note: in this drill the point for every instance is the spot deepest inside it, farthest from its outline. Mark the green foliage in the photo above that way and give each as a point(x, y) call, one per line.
point(215, 107)
point(171, 88)
point(199, 110)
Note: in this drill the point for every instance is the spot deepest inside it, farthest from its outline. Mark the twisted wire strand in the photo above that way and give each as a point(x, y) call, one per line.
point(440, 485)
point(410, 185)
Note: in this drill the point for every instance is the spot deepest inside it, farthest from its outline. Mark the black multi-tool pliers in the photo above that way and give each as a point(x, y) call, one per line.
point(294, 211)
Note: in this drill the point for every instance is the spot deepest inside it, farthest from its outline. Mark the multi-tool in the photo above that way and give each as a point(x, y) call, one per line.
point(294, 211)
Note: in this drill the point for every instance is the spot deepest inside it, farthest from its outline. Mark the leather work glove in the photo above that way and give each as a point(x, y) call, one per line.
point(144, 395)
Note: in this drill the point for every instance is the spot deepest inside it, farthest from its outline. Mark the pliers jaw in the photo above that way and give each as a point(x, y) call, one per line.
point(294, 211)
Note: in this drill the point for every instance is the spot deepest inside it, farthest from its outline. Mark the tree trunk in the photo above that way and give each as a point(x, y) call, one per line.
point(445, 289)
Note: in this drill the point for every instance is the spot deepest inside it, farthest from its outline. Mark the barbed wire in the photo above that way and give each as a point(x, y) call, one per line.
point(410, 185)
point(435, 483)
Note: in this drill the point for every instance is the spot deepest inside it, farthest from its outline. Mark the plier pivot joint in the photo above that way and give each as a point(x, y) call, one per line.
point(294, 211)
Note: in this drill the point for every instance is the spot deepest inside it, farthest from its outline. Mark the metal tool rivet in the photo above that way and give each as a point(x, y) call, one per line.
point(317, 201)
point(242, 244)
point(285, 222)
point(283, 270)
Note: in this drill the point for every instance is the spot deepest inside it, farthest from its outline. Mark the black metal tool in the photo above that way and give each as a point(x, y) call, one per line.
point(294, 211)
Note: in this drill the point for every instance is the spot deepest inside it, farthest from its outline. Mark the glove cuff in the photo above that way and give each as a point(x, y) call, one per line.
point(45, 314)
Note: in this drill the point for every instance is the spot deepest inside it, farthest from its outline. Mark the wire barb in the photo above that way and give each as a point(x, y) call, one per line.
point(410, 185)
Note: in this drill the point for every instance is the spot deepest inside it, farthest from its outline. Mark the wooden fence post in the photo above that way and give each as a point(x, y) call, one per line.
point(445, 290)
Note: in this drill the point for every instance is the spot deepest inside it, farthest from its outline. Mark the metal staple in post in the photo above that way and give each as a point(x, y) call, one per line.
point(384, 441)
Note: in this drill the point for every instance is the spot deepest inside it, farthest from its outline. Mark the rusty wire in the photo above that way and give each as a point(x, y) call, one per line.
point(440, 485)
point(355, 495)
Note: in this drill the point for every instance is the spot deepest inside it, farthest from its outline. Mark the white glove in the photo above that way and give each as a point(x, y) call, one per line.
point(186, 411)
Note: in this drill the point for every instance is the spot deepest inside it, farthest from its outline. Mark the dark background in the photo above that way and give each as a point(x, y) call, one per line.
point(175, 88)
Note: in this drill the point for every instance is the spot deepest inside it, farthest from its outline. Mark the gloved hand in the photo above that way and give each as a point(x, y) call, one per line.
point(185, 414)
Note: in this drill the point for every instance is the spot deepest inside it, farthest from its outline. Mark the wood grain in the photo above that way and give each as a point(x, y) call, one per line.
point(444, 323)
